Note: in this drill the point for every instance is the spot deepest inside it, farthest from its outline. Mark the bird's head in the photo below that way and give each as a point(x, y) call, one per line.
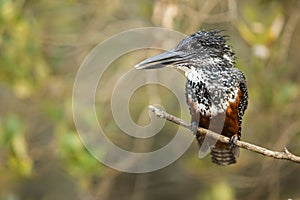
point(199, 49)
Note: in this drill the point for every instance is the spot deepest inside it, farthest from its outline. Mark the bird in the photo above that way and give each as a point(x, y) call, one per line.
point(216, 91)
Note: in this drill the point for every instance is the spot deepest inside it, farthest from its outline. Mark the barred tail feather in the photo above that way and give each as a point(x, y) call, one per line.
point(224, 156)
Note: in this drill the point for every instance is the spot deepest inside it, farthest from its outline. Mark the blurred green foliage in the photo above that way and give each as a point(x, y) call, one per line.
point(23, 64)
point(42, 45)
point(13, 141)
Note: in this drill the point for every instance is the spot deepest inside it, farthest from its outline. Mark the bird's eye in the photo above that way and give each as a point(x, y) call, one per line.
point(196, 45)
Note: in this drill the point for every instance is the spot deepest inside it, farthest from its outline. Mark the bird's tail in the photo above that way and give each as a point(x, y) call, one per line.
point(223, 154)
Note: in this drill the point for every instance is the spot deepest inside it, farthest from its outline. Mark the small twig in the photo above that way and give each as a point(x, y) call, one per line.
point(286, 155)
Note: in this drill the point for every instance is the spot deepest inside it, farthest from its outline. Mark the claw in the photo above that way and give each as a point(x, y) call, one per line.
point(232, 142)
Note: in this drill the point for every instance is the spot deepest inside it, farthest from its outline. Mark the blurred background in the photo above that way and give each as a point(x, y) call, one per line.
point(42, 45)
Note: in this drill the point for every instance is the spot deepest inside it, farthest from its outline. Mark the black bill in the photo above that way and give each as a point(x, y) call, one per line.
point(168, 58)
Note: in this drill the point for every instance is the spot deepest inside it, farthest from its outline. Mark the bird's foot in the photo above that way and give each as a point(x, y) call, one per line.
point(232, 141)
point(194, 128)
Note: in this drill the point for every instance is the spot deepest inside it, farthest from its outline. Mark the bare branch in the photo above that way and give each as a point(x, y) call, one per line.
point(286, 155)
